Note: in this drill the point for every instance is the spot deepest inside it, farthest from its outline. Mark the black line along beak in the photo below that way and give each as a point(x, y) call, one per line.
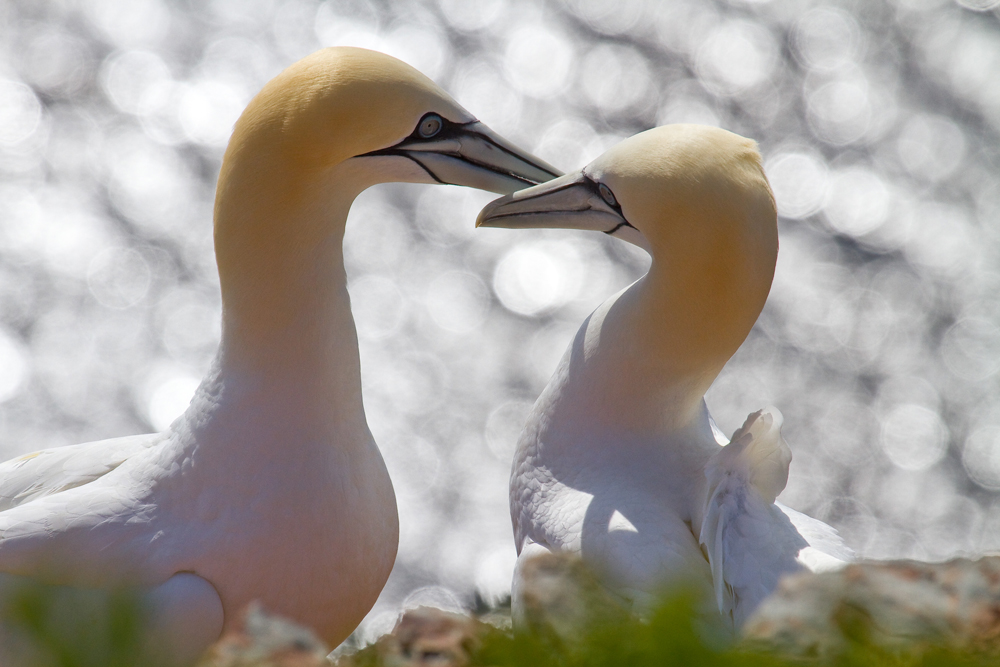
point(572, 201)
point(469, 154)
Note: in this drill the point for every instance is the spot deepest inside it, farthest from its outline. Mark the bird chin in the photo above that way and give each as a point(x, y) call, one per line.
point(458, 170)
point(394, 169)
point(440, 168)
point(635, 237)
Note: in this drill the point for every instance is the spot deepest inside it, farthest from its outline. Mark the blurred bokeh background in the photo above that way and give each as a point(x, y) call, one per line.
point(879, 122)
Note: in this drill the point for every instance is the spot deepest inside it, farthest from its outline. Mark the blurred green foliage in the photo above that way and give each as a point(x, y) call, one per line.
point(57, 626)
point(53, 626)
point(675, 635)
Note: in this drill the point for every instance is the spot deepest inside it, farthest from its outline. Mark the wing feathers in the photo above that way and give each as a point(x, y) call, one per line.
point(749, 541)
point(51, 471)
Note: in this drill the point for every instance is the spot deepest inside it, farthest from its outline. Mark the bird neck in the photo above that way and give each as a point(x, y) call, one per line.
point(690, 320)
point(287, 330)
point(653, 350)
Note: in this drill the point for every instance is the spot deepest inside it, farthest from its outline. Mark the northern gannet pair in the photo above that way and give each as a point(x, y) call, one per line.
point(620, 460)
point(270, 486)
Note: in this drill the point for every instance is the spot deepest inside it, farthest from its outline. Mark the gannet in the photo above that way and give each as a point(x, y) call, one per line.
point(619, 460)
point(270, 486)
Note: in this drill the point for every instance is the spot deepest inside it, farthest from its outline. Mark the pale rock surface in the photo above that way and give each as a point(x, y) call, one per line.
point(562, 595)
point(266, 640)
point(892, 604)
point(423, 636)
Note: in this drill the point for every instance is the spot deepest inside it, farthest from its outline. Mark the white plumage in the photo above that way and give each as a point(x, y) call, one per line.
point(50, 471)
point(750, 539)
point(270, 486)
point(620, 460)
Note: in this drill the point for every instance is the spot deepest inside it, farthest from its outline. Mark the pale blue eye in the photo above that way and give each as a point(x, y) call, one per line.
point(607, 195)
point(430, 125)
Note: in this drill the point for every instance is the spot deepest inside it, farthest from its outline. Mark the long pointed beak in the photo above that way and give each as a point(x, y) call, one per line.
point(473, 155)
point(572, 201)
point(565, 202)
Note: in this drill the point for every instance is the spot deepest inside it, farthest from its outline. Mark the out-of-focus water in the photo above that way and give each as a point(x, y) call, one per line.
point(879, 122)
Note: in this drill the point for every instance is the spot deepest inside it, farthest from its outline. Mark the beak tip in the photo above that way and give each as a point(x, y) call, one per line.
point(484, 219)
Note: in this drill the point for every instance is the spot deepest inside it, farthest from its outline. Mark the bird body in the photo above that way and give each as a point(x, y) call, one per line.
point(583, 482)
point(620, 460)
point(270, 486)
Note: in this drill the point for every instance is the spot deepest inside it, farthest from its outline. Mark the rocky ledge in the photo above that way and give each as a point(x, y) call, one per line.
point(895, 607)
point(891, 604)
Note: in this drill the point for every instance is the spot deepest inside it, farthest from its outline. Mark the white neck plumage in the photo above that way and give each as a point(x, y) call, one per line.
point(642, 370)
point(288, 364)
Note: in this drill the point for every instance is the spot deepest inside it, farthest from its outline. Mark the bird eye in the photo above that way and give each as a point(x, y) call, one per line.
point(430, 125)
point(607, 195)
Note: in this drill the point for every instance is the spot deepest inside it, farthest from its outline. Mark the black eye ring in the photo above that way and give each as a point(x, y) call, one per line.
point(430, 125)
point(607, 195)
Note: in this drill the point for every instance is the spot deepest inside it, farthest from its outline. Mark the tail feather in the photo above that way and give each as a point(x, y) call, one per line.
point(826, 550)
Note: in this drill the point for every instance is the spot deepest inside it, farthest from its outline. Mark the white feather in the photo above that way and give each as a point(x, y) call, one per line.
point(50, 471)
point(621, 435)
point(750, 540)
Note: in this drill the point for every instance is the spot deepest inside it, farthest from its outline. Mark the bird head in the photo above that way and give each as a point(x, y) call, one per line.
point(696, 198)
point(346, 103)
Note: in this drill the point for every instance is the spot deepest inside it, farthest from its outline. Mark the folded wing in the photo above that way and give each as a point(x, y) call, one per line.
point(52, 471)
point(750, 540)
